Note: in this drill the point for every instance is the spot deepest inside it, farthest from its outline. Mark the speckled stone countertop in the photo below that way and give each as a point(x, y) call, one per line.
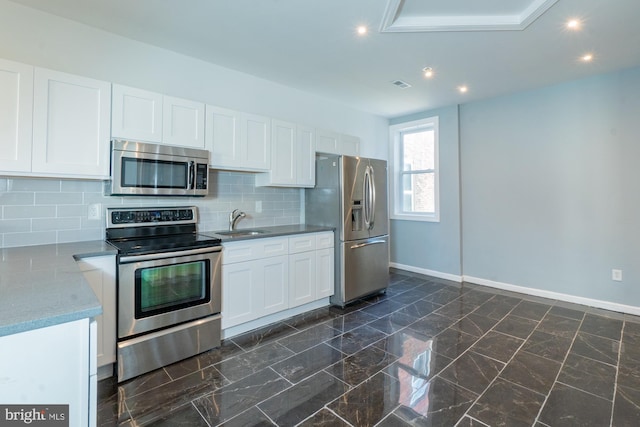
point(42, 286)
point(266, 232)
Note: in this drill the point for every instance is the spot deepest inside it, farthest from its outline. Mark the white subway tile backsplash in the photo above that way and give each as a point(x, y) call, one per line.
point(28, 239)
point(40, 211)
point(15, 226)
point(18, 212)
point(16, 198)
point(58, 198)
point(33, 184)
point(48, 224)
point(66, 236)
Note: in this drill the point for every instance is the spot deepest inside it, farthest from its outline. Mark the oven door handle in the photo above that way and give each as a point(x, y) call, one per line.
point(136, 258)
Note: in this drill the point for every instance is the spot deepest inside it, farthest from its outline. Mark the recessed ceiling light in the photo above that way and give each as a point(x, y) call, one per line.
point(428, 72)
point(573, 24)
point(463, 89)
point(587, 57)
point(362, 30)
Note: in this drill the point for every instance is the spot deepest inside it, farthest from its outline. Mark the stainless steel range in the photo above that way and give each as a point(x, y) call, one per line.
point(169, 287)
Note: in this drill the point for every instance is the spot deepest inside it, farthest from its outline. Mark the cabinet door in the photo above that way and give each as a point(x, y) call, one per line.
point(136, 114)
point(222, 137)
point(255, 134)
point(324, 273)
point(283, 153)
point(182, 122)
point(273, 294)
point(326, 142)
point(16, 102)
point(100, 272)
point(71, 125)
point(306, 157)
point(349, 145)
point(302, 278)
point(239, 293)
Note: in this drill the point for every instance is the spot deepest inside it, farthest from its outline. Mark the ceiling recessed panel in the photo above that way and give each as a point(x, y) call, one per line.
point(461, 15)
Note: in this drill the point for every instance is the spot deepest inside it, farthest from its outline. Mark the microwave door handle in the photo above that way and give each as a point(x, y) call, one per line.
point(191, 172)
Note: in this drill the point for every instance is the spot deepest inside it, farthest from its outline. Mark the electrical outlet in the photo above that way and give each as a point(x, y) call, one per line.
point(616, 275)
point(258, 206)
point(95, 211)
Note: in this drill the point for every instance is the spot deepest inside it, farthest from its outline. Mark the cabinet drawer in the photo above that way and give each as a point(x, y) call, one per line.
point(249, 250)
point(324, 240)
point(302, 243)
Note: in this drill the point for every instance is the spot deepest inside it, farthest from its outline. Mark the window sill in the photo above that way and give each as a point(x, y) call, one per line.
point(422, 218)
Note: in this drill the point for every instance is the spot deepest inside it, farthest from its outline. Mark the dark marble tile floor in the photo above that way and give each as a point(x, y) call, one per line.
point(427, 353)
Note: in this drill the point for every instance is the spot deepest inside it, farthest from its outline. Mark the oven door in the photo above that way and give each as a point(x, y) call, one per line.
point(161, 290)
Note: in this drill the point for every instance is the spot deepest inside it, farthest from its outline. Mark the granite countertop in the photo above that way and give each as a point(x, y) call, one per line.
point(42, 286)
point(266, 232)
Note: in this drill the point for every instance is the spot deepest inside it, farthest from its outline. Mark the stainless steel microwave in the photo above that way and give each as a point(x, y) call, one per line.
point(144, 169)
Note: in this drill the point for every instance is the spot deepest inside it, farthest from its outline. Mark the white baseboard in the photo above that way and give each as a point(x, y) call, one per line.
point(433, 273)
point(607, 305)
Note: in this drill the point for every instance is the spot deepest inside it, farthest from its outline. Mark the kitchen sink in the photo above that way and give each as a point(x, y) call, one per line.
point(241, 233)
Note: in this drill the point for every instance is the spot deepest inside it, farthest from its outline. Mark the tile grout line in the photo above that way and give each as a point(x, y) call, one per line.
point(564, 360)
point(524, 341)
point(615, 382)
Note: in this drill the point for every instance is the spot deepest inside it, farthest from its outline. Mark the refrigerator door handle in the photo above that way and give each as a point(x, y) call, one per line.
point(373, 242)
point(369, 197)
point(372, 185)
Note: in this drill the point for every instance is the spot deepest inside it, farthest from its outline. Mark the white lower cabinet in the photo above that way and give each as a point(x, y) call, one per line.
point(324, 273)
point(270, 275)
point(100, 272)
point(302, 274)
point(253, 289)
point(54, 365)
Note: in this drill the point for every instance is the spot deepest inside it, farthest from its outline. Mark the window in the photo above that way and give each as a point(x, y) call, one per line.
point(415, 170)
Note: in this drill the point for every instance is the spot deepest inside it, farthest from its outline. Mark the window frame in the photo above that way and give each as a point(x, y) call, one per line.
point(396, 199)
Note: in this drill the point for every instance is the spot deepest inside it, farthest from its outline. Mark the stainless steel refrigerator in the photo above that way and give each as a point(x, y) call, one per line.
point(351, 196)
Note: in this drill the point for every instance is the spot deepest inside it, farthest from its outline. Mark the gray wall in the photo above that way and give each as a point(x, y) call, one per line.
point(434, 246)
point(551, 188)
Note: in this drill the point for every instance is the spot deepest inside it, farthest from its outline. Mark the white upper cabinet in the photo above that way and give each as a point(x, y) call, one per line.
point(255, 131)
point(141, 115)
point(238, 141)
point(335, 143)
point(326, 141)
point(183, 122)
point(222, 136)
point(136, 114)
point(16, 101)
point(71, 125)
point(349, 145)
point(292, 156)
point(306, 162)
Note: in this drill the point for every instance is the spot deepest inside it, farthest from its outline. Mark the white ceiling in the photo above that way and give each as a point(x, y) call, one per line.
point(312, 45)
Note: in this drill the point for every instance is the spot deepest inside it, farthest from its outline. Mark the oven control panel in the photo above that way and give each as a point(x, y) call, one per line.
point(127, 217)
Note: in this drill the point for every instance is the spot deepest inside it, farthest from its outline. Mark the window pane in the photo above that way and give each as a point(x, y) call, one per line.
point(418, 150)
point(418, 193)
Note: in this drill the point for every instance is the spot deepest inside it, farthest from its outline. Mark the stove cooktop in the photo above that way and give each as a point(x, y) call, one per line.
point(166, 243)
point(142, 231)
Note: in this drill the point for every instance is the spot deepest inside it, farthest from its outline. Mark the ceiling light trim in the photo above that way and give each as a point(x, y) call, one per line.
point(394, 22)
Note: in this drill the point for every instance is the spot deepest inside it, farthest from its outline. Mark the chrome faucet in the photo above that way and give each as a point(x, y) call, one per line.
point(234, 217)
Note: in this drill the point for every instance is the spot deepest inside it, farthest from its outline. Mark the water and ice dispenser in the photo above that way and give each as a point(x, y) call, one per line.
point(356, 216)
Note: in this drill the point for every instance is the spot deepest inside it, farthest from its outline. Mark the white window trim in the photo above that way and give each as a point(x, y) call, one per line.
point(396, 196)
